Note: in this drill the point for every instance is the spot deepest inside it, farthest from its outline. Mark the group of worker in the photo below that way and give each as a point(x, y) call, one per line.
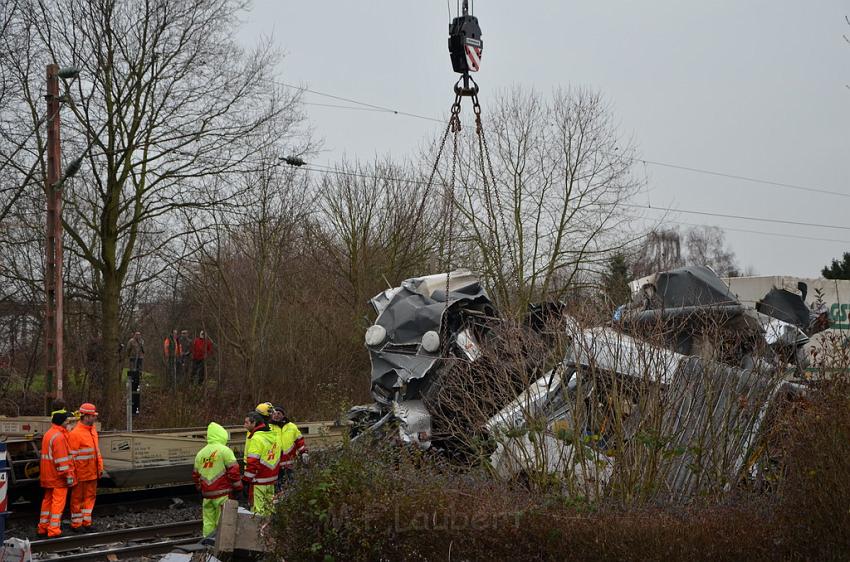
point(70, 459)
point(272, 446)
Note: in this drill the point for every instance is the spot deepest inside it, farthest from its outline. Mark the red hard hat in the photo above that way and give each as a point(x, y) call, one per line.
point(88, 408)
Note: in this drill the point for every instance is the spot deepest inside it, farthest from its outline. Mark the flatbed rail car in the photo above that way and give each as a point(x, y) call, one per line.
point(139, 458)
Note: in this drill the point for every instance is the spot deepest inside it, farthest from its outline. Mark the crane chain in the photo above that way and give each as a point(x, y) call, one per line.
point(454, 125)
point(484, 153)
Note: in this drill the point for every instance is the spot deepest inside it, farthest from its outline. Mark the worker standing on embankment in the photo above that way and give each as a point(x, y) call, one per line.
point(56, 473)
point(216, 475)
point(88, 464)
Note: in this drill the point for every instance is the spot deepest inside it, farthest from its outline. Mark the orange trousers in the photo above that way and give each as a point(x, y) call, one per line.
point(82, 503)
point(52, 507)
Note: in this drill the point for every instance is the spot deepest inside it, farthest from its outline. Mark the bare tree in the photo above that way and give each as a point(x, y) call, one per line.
point(707, 246)
point(660, 251)
point(561, 171)
point(167, 107)
point(663, 248)
point(243, 269)
point(377, 225)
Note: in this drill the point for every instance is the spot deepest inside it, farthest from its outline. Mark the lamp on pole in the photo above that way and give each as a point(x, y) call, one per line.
point(54, 336)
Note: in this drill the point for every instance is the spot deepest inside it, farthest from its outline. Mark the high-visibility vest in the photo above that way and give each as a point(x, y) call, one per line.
point(262, 457)
point(291, 445)
point(171, 347)
point(56, 467)
point(216, 472)
point(83, 442)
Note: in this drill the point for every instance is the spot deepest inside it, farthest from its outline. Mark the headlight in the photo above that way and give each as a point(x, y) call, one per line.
point(375, 335)
point(431, 341)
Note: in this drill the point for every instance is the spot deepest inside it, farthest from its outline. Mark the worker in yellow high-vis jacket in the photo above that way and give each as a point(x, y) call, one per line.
point(262, 463)
point(216, 475)
point(292, 444)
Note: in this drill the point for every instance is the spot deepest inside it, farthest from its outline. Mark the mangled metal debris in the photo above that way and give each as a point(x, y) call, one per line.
point(686, 372)
point(699, 315)
point(420, 324)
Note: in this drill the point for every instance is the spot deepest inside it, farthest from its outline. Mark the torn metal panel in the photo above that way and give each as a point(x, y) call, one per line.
point(414, 423)
point(417, 325)
point(407, 422)
point(786, 306)
point(609, 350)
point(588, 471)
point(534, 401)
point(712, 421)
point(687, 286)
point(791, 308)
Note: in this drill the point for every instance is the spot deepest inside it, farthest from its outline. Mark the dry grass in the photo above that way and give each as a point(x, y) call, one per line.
point(371, 502)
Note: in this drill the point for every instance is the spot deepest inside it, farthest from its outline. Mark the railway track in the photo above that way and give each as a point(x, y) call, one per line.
point(112, 545)
point(113, 503)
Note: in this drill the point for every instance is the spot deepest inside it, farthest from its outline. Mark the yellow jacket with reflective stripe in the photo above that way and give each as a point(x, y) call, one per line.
point(216, 472)
point(262, 456)
point(291, 444)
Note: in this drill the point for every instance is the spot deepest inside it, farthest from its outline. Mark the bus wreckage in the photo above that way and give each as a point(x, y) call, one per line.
point(685, 375)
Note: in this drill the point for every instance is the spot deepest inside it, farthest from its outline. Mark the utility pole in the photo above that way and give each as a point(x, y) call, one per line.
point(53, 246)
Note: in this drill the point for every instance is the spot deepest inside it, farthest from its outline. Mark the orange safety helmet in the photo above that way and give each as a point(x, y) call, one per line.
point(88, 408)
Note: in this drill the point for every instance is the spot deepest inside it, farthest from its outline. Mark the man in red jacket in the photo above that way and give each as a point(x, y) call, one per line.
point(202, 348)
point(56, 473)
point(88, 465)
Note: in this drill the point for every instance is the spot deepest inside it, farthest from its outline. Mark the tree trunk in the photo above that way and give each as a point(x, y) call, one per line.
point(111, 396)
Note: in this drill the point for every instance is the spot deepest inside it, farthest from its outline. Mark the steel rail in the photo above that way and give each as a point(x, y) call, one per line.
point(66, 543)
point(107, 503)
point(146, 549)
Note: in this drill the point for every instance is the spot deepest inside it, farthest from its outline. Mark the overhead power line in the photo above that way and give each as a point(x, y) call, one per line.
point(327, 169)
point(748, 231)
point(384, 109)
point(743, 178)
point(740, 217)
point(361, 103)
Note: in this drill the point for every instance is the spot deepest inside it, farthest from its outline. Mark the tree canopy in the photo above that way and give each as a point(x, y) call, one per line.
point(838, 269)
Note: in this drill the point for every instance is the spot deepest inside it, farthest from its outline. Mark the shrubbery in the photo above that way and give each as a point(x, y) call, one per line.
point(368, 502)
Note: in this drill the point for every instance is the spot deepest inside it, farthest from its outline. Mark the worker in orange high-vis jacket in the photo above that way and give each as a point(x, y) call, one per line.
point(88, 465)
point(57, 473)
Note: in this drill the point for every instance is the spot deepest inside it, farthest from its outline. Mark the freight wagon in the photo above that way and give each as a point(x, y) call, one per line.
point(137, 459)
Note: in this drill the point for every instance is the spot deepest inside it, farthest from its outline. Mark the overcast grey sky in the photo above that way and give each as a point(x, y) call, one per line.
point(755, 88)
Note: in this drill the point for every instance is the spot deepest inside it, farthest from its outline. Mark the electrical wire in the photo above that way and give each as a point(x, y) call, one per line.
point(645, 161)
point(327, 169)
point(364, 104)
point(748, 231)
point(739, 217)
point(743, 178)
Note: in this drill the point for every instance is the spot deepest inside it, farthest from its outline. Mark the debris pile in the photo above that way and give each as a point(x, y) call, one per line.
point(667, 399)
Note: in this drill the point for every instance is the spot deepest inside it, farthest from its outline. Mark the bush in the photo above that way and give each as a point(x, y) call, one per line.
point(378, 502)
point(815, 492)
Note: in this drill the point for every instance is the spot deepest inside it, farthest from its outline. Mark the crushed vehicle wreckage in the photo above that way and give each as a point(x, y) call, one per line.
point(685, 375)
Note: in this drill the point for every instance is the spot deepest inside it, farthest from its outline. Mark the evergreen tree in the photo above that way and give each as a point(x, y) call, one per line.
point(615, 281)
point(838, 269)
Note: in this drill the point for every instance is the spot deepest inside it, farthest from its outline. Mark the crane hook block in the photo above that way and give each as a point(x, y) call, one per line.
point(465, 44)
